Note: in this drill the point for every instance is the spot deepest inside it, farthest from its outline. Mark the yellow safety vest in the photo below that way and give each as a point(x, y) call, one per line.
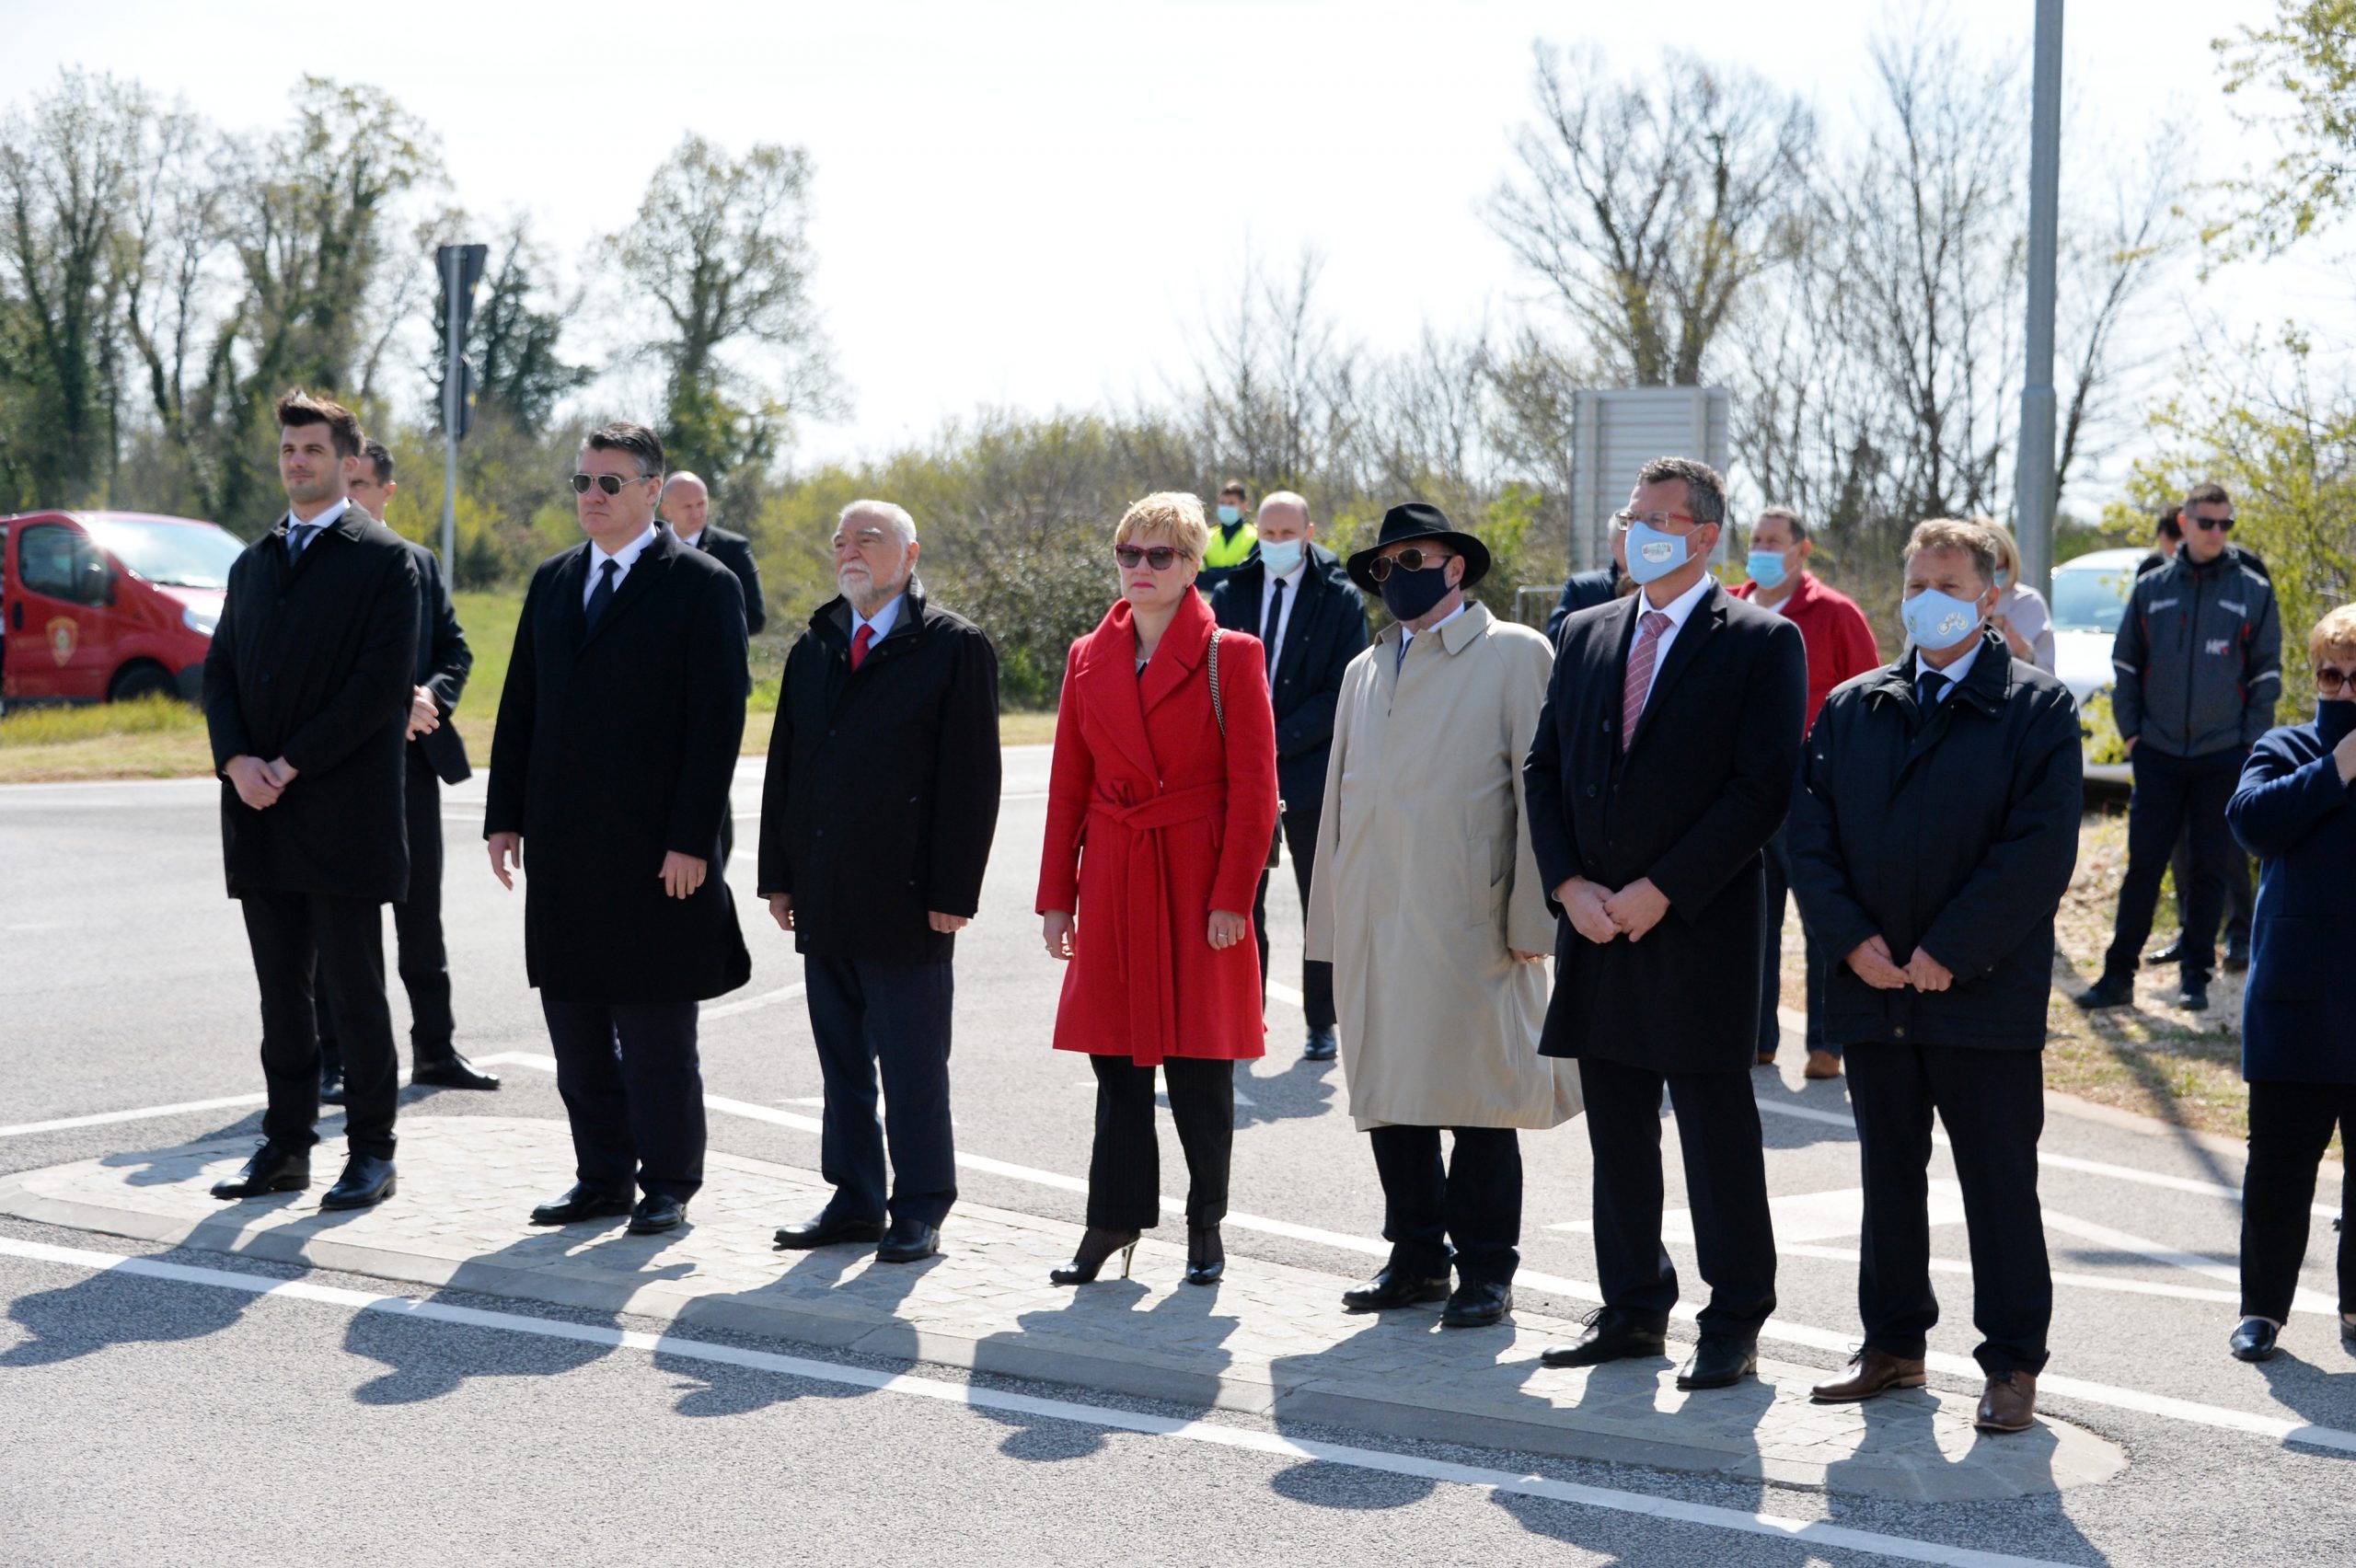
point(1228, 547)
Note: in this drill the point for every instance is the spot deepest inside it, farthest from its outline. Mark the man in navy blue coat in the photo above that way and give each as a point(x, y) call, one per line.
point(2295, 810)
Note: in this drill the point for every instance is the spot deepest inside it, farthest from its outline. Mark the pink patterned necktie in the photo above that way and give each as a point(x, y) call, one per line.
point(1640, 673)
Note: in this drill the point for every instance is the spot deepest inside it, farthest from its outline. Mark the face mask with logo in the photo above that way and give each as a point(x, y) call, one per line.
point(1229, 516)
point(1280, 556)
point(1766, 567)
point(1410, 595)
point(1653, 554)
point(2335, 717)
point(1938, 621)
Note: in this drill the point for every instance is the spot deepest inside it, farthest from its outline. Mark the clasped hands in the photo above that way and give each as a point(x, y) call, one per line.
point(1601, 915)
point(1877, 967)
point(259, 783)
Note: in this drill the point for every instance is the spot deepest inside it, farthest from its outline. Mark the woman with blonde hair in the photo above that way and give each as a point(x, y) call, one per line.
point(2021, 617)
point(1161, 801)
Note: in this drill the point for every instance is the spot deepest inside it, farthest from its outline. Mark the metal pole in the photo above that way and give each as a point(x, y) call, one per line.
point(2033, 477)
point(452, 260)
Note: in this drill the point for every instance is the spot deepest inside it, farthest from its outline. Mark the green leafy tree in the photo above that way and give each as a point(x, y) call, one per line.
point(2308, 56)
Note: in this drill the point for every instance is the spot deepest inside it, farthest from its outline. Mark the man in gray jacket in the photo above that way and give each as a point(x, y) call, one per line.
point(2199, 661)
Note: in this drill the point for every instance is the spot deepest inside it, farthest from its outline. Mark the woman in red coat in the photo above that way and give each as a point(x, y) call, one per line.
point(1157, 827)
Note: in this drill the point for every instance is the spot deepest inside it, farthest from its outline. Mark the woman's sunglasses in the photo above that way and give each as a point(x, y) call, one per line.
point(1162, 558)
point(1409, 560)
point(611, 483)
point(2329, 680)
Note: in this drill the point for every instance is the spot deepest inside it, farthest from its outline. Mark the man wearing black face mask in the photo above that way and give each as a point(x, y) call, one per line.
point(1430, 908)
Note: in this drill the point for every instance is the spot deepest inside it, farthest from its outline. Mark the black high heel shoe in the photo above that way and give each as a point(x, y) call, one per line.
point(1205, 1259)
point(1096, 1245)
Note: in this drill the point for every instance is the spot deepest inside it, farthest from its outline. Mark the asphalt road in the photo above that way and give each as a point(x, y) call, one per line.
point(154, 1419)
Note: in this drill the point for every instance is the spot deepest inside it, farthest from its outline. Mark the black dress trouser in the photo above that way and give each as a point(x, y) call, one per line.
point(293, 935)
point(2290, 1127)
point(1299, 829)
point(1474, 1201)
point(421, 954)
point(864, 1015)
point(1125, 1165)
point(2175, 796)
point(632, 1090)
point(1992, 1102)
point(1777, 862)
point(2240, 900)
point(1725, 1182)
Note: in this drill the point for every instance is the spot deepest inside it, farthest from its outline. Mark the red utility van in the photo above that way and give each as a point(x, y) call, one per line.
point(105, 605)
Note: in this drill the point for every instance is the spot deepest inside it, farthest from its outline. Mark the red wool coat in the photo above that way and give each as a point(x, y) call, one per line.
point(1152, 823)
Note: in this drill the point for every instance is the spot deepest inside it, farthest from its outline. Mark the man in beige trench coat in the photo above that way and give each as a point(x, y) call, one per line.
point(1427, 903)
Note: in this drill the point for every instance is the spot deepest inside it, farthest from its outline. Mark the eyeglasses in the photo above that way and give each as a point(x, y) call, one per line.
point(2329, 679)
point(2223, 524)
point(1623, 521)
point(611, 483)
point(1162, 558)
point(1409, 560)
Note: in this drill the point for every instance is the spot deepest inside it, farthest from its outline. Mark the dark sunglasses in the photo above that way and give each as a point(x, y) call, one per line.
point(1409, 560)
point(611, 483)
point(2223, 524)
point(2329, 679)
point(1162, 558)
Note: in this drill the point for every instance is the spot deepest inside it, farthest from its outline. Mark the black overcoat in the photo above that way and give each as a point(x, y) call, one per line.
point(614, 747)
point(2293, 811)
point(734, 551)
point(882, 793)
point(312, 662)
point(444, 662)
point(1956, 832)
point(1691, 805)
point(1327, 630)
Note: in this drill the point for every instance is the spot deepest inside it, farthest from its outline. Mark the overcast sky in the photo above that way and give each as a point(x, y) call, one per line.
point(1037, 204)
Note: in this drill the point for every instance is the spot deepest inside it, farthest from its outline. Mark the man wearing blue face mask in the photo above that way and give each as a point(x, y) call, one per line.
point(1294, 597)
point(1231, 541)
point(1931, 843)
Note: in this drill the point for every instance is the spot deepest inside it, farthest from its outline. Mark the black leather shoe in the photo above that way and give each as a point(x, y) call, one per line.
point(367, 1179)
point(656, 1213)
point(2108, 991)
point(271, 1169)
point(2193, 996)
point(2253, 1339)
point(453, 1071)
point(1322, 1046)
point(1206, 1255)
point(1394, 1286)
point(909, 1243)
point(2236, 954)
point(825, 1230)
point(1477, 1304)
point(585, 1201)
point(1720, 1361)
point(2160, 958)
point(331, 1086)
point(1611, 1335)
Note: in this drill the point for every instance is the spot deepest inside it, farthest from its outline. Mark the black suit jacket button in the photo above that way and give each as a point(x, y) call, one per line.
point(1590, 792)
point(821, 833)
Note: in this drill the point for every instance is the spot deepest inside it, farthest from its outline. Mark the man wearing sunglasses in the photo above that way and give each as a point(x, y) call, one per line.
point(617, 739)
point(2199, 662)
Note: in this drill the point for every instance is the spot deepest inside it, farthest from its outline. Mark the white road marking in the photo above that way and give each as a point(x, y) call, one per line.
point(1806, 1216)
point(1841, 1345)
point(1667, 1510)
point(2224, 1269)
point(752, 1004)
point(1286, 994)
point(228, 1102)
point(2078, 1281)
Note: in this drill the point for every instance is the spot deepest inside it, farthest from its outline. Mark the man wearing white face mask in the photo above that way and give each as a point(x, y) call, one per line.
point(1931, 842)
point(1230, 541)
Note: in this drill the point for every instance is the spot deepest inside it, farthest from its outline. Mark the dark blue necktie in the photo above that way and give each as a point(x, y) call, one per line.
point(1927, 688)
point(601, 596)
point(1271, 624)
point(298, 535)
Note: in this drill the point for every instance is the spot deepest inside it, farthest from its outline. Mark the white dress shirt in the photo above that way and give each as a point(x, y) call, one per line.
point(1677, 610)
point(1292, 584)
point(691, 540)
point(883, 620)
point(318, 526)
point(1953, 674)
point(623, 558)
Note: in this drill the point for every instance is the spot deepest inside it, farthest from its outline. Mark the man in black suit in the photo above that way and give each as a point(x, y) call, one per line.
point(876, 819)
point(1587, 589)
point(437, 755)
point(686, 505)
point(616, 737)
point(306, 699)
point(1295, 596)
point(1664, 762)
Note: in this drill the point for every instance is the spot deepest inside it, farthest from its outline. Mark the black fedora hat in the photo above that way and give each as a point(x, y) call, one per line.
point(1419, 520)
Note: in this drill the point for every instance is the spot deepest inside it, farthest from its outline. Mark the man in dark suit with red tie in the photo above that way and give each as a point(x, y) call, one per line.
point(1664, 761)
point(609, 770)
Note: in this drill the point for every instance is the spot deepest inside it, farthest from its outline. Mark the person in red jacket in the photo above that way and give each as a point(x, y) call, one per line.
point(1161, 803)
point(1839, 646)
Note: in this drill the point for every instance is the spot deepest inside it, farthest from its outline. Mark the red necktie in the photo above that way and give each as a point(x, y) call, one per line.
point(859, 642)
point(1640, 673)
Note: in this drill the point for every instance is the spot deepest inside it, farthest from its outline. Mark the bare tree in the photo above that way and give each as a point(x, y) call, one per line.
point(1278, 382)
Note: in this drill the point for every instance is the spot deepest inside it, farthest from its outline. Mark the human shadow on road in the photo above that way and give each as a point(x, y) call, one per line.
point(178, 1162)
point(1102, 1321)
point(1304, 1089)
point(847, 1277)
point(424, 1360)
point(2319, 1396)
point(1858, 1492)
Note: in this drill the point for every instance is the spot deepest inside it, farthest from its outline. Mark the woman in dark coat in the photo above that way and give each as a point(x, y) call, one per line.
point(2293, 811)
point(1160, 803)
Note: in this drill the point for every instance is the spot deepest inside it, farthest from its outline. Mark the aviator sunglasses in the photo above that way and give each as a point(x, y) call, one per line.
point(611, 483)
point(1409, 560)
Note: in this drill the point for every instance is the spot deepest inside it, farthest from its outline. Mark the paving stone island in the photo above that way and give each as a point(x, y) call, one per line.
point(1268, 1340)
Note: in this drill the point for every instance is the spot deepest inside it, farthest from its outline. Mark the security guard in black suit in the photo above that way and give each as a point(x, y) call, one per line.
point(687, 504)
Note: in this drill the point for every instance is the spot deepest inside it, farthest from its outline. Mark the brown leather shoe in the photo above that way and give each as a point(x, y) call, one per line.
point(1766, 1058)
point(2009, 1403)
point(1822, 1064)
point(1871, 1372)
